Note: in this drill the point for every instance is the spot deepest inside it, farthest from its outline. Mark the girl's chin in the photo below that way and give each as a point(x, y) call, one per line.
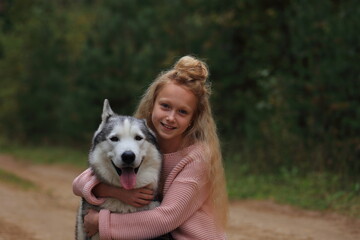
point(165, 135)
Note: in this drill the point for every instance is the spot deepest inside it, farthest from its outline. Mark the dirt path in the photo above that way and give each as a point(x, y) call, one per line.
point(48, 212)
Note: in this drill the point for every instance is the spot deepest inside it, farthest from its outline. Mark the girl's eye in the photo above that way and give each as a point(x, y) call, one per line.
point(183, 112)
point(114, 139)
point(138, 138)
point(164, 105)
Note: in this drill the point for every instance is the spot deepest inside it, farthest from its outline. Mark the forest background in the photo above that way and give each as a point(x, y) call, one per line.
point(285, 76)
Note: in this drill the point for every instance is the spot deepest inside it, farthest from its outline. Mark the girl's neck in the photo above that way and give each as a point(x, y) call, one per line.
point(170, 146)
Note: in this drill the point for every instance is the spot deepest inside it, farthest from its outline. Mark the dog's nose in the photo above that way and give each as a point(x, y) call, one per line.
point(128, 157)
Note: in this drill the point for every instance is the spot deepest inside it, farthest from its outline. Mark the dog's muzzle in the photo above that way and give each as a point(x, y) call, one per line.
point(119, 171)
point(127, 175)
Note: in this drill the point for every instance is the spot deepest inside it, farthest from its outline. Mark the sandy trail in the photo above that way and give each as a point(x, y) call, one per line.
point(48, 211)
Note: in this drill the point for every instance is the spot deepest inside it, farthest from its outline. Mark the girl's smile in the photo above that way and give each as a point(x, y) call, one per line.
point(167, 127)
point(173, 111)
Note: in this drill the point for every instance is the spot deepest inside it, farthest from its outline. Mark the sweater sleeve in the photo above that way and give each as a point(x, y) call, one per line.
point(184, 197)
point(83, 186)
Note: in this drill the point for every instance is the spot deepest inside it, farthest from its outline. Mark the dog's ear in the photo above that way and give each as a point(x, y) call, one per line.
point(106, 114)
point(107, 111)
point(151, 137)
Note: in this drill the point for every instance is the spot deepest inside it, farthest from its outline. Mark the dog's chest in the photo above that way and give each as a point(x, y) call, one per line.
point(115, 205)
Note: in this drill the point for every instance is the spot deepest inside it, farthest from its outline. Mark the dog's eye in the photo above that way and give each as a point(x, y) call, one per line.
point(114, 139)
point(138, 138)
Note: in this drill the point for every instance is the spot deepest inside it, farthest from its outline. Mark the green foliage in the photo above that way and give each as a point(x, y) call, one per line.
point(284, 73)
point(316, 191)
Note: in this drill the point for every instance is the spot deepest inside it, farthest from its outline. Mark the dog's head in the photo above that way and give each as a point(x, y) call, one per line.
point(120, 146)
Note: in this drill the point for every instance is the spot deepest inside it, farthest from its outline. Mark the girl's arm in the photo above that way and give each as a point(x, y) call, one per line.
point(83, 185)
point(134, 197)
point(184, 197)
point(86, 185)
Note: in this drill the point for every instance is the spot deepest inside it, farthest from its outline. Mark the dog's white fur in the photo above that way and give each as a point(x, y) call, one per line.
point(115, 136)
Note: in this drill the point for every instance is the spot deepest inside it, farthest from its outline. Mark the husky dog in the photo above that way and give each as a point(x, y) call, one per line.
point(125, 154)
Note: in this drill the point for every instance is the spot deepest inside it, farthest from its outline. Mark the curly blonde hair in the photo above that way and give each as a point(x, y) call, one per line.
point(193, 73)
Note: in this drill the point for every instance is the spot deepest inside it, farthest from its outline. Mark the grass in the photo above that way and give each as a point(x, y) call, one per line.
point(310, 191)
point(315, 191)
point(15, 180)
point(47, 155)
point(39, 155)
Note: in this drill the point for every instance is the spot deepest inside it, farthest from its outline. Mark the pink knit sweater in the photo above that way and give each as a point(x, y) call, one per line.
point(185, 210)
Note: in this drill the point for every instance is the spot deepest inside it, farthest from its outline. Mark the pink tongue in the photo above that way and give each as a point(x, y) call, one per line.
point(128, 178)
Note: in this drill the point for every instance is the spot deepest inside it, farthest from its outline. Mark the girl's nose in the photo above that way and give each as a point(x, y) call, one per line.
point(171, 116)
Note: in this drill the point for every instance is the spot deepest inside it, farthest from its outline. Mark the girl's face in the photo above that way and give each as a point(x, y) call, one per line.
point(173, 111)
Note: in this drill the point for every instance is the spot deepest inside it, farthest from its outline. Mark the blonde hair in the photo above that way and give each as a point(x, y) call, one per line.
point(193, 73)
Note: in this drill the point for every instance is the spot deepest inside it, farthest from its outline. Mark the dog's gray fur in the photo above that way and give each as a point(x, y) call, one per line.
point(119, 144)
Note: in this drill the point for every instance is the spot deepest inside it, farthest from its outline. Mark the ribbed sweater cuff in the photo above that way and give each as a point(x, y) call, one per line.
point(88, 194)
point(104, 224)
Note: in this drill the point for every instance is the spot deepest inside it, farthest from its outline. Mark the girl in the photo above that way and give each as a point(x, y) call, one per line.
point(194, 205)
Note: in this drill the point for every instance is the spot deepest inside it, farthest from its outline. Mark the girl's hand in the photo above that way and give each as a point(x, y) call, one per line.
point(135, 197)
point(138, 197)
point(91, 223)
